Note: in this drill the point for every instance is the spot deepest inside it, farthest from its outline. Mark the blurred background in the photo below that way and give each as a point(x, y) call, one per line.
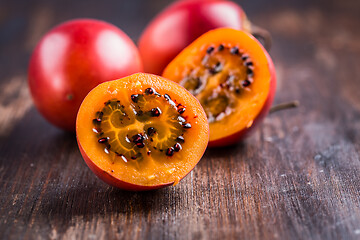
point(297, 177)
point(321, 30)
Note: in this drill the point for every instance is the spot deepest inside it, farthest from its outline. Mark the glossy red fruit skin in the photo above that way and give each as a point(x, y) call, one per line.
point(180, 24)
point(241, 135)
point(115, 182)
point(73, 58)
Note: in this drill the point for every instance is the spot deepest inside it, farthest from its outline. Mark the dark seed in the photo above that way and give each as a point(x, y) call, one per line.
point(151, 131)
point(135, 98)
point(138, 138)
point(244, 57)
point(237, 90)
point(140, 145)
point(170, 151)
point(97, 121)
point(149, 90)
point(99, 114)
point(187, 125)
point(218, 64)
point(133, 157)
point(180, 139)
point(245, 83)
point(177, 147)
point(221, 47)
point(250, 72)
point(234, 50)
point(112, 170)
point(155, 112)
point(148, 152)
point(167, 97)
point(210, 50)
point(249, 63)
point(217, 68)
point(103, 140)
point(181, 110)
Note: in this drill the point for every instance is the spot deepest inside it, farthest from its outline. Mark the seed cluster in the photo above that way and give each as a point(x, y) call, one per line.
point(145, 141)
point(231, 68)
point(139, 139)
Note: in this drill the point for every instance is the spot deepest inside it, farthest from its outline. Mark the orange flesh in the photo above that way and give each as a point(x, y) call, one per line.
point(148, 169)
point(231, 104)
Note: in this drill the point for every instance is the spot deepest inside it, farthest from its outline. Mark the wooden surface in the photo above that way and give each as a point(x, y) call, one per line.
point(297, 177)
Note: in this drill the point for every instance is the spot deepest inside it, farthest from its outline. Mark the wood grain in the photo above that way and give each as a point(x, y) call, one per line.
point(297, 177)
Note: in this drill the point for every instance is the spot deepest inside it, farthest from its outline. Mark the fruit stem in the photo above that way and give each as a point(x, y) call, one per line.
point(283, 106)
point(262, 35)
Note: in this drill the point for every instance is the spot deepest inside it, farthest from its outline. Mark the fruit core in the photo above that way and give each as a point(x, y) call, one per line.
point(219, 79)
point(152, 125)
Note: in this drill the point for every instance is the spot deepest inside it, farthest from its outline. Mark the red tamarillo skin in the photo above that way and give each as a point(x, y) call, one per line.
point(181, 23)
point(73, 58)
point(113, 181)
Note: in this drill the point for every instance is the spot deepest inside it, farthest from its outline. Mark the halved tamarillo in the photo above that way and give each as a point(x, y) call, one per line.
point(141, 132)
point(234, 79)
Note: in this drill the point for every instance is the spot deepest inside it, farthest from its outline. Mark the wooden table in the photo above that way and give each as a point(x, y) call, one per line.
point(297, 177)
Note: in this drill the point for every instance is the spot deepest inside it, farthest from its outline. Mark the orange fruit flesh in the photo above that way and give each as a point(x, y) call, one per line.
point(227, 70)
point(112, 142)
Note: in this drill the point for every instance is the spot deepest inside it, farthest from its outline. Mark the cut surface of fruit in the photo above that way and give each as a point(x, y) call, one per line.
point(232, 76)
point(141, 132)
